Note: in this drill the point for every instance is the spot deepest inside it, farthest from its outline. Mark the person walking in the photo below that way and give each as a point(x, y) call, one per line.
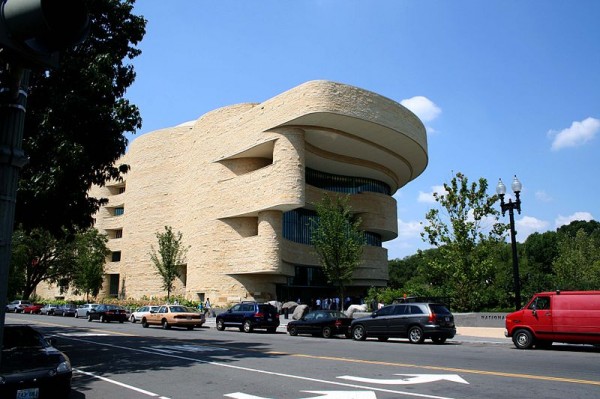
point(207, 306)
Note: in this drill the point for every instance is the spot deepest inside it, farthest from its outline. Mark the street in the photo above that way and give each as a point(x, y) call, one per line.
point(113, 360)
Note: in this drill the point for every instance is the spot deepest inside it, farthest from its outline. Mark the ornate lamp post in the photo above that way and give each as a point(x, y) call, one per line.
point(510, 206)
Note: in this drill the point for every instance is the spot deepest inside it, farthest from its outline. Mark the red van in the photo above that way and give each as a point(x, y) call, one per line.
point(561, 316)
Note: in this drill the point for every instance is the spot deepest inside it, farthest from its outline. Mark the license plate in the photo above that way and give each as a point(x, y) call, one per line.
point(29, 393)
point(446, 318)
point(269, 319)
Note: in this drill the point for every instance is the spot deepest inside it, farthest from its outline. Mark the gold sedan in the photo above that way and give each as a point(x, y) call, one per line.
point(169, 316)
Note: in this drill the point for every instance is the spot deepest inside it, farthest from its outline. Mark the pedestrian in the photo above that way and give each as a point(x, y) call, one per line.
point(207, 306)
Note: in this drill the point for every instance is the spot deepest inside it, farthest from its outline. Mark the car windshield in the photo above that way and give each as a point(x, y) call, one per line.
point(23, 337)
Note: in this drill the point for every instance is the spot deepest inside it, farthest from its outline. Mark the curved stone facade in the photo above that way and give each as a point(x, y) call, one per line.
point(226, 180)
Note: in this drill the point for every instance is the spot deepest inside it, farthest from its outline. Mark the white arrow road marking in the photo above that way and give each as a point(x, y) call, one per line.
point(343, 395)
point(323, 395)
point(412, 379)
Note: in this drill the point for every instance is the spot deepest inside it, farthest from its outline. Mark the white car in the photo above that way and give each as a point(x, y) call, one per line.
point(84, 310)
point(17, 306)
point(140, 312)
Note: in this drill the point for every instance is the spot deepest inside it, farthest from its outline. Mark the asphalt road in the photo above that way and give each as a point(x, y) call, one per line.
point(126, 361)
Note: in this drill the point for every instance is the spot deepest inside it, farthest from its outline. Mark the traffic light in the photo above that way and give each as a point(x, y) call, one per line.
point(33, 32)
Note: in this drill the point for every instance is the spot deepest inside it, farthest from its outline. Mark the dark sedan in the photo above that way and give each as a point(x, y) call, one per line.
point(31, 367)
point(66, 310)
point(325, 323)
point(107, 313)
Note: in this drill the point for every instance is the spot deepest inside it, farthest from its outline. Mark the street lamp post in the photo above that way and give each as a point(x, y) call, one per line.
point(510, 206)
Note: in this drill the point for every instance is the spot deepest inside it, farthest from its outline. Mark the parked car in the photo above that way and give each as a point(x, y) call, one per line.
point(67, 309)
point(415, 321)
point(17, 305)
point(48, 309)
point(169, 316)
point(560, 316)
point(141, 311)
point(108, 313)
point(248, 316)
point(325, 323)
point(32, 367)
point(84, 310)
point(33, 308)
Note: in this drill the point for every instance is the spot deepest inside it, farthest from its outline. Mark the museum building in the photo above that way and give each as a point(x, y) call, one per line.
point(240, 184)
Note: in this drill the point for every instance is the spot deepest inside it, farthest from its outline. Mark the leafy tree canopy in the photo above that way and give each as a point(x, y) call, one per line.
point(76, 119)
point(337, 239)
point(170, 257)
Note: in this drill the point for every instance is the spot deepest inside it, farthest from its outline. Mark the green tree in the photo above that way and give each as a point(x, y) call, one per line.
point(91, 253)
point(75, 123)
point(577, 266)
point(468, 236)
point(337, 239)
point(38, 256)
point(170, 257)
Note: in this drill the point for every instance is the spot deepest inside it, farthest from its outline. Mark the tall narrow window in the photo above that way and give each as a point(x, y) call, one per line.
point(116, 256)
point(119, 211)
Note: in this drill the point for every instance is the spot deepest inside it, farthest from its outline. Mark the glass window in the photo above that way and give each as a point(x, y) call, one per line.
point(345, 184)
point(116, 256)
point(400, 309)
point(385, 311)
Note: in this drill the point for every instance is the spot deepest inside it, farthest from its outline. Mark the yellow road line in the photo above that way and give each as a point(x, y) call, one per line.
point(442, 368)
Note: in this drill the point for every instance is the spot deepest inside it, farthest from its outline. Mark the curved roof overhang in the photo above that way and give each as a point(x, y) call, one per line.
point(354, 132)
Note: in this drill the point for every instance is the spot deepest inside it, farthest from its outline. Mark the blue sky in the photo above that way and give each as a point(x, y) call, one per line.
point(504, 87)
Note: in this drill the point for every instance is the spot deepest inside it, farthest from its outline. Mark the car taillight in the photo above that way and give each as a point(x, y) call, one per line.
point(338, 323)
point(259, 315)
point(432, 318)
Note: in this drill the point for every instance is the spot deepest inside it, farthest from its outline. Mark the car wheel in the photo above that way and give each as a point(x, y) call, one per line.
point(89, 317)
point(144, 323)
point(76, 315)
point(102, 319)
point(382, 339)
point(166, 325)
point(359, 333)
point(132, 319)
point(523, 339)
point(438, 340)
point(293, 331)
point(220, 325)
point(326, 332)
point(247, 326)
point(415, 335)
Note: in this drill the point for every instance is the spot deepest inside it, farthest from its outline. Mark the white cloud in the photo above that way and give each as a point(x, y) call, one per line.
point(410, 229)
point(543, 196)
point(528, 225)
point(578, 134)
point(563, 220)
point(427, 198)
point(423, 107)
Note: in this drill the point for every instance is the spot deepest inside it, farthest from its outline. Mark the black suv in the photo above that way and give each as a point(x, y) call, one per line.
point(248, 316)
point(415, 321)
